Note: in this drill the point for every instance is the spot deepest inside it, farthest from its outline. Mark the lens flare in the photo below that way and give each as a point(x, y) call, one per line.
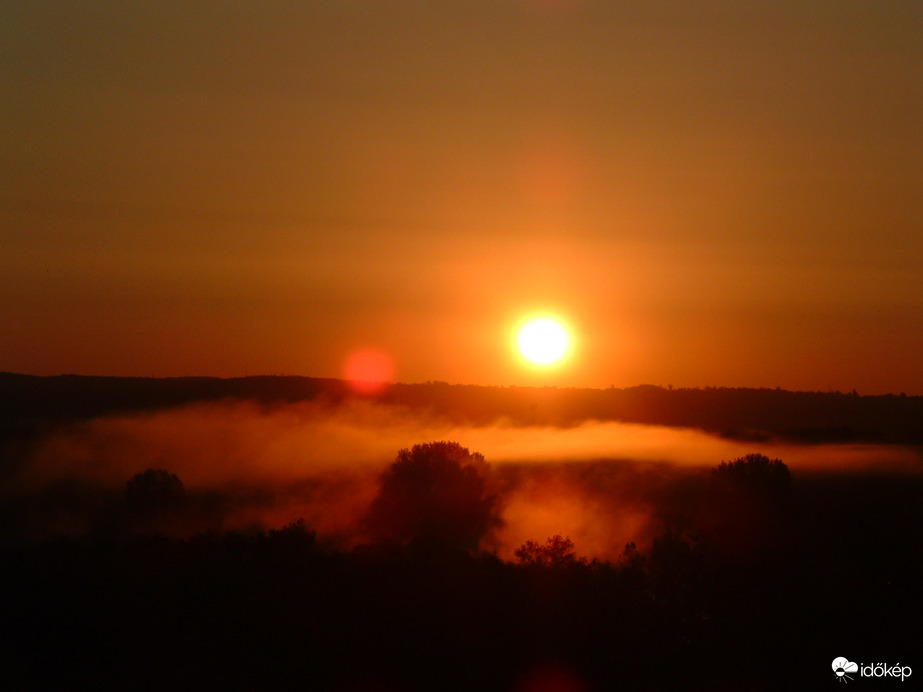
point(368, 371)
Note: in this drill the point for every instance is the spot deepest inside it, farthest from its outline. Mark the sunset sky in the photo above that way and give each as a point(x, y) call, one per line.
point(706, 193)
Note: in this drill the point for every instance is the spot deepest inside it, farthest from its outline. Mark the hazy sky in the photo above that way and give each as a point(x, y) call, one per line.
point(709, 193)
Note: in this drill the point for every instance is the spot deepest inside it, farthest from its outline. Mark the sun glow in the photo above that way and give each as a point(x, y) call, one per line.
point(543, 341)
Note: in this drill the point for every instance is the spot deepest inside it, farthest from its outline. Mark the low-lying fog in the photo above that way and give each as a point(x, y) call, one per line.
point(248, 467)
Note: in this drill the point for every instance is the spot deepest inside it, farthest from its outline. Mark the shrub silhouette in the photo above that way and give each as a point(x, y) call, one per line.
point(434, 492)
point(154, 491)
point(294, 536)
point(749, 507)
point(757, 474)
point(556, 552)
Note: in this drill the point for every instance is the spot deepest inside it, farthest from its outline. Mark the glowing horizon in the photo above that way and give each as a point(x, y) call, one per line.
point(269, 192)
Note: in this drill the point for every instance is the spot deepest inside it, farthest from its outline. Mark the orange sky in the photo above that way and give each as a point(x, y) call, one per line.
point(718, 193)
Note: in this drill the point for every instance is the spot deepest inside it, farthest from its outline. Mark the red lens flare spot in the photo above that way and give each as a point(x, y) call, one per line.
point(368, 371)
point(551, 679)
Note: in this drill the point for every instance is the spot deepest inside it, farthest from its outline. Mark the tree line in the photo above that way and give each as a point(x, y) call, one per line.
point(771, 576)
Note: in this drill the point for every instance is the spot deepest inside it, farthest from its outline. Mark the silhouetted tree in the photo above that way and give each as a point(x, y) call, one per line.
point(557, 551)
point(748, 508)
point(154, 503)
point(294, 536)
point(631, 557)
point(758, 474)
point(154, 491)
point(434, 492)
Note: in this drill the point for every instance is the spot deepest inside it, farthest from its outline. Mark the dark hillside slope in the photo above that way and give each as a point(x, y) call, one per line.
point(810, 417)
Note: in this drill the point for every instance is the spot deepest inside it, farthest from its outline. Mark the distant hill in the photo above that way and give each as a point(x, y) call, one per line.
point(28, 401)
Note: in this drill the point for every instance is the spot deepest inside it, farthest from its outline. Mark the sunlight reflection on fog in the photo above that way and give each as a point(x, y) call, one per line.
point(597, 482)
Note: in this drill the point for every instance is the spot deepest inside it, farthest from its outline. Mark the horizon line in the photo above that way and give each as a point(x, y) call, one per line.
point(665, 388)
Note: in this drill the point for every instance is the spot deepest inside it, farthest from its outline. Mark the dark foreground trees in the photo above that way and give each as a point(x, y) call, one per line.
point(557, 552)
point(277, 610)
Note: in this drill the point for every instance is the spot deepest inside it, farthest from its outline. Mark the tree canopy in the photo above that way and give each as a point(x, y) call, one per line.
point(557, 551)
point(436, 492)
point(756, 473)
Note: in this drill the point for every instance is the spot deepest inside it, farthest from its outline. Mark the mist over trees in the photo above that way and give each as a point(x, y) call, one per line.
point(280, 609)
point(740, 413)
point(740, 574)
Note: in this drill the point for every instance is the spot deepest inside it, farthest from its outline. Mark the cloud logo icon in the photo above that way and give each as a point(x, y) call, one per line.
point(842, 666)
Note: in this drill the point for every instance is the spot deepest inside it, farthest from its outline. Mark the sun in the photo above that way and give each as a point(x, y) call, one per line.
point(543, 341)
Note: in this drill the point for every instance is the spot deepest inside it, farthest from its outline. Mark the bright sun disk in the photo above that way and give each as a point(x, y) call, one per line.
point(543, 341)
